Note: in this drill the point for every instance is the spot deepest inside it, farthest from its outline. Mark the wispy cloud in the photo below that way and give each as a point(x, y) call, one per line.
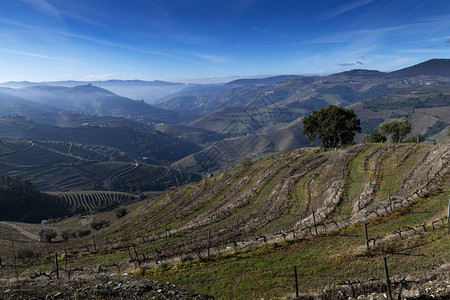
point(82, 19)
point(98, 77)
point(44, 6)
point(194, 39)
point(25, 53)
point(211, 58)
point(89, 39)
point(423, 50)
point(344, 8)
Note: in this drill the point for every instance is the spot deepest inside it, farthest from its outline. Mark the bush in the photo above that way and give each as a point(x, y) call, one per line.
point(246, 162)
point(83, 232)
point(376, 137)
point(47, 235)
point(97, 225)
point(415, 138)
point(68, 234)
point(25, 253)
point(121, 212)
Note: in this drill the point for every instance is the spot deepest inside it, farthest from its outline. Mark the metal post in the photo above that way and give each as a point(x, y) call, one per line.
point(296, 281)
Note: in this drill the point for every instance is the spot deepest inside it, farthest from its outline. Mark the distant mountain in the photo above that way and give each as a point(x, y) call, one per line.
point(149, 91)
point(432, 67)
point(262, 81)
point(92, 100)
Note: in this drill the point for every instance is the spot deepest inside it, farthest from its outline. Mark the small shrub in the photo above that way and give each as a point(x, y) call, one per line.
point(121, 212)
point(246, 162)
point(97, 225)
point(415, 138)
point(68, 234)
point(375, 137)
point(83, 232)
point(25, 253)
point(47, 235)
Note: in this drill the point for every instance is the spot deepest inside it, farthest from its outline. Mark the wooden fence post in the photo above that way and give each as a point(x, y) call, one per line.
point(448, 211)
point(367, 236)
point(314, 220)
point(296, 281)
point(65, 266)
point(57, 266)
point(13, 251)
point(209, 240)
point(388, 282)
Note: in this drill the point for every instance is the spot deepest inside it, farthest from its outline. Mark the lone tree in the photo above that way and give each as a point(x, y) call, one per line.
point(335, 126)
point(47, 235)
point(399, 128)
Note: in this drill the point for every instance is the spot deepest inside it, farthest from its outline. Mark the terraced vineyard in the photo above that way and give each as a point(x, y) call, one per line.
point(86, 201)
point(58, 166)
point(239, 233)
point(84, 152)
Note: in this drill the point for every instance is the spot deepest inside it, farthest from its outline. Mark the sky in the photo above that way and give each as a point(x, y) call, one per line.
point(179, 40)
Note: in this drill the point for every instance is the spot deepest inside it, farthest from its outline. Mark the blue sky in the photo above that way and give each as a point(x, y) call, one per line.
point(43, 40)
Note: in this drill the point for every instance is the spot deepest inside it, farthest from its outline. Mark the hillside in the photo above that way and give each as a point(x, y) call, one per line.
point(239, 233)
point(230, 151)
point(426, 107)
point(21, 201)
point(262, 81)
point(59, 166)
point(139, 142)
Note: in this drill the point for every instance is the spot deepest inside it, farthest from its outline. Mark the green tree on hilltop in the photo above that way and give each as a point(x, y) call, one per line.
point(334, 125)
point(398, 128)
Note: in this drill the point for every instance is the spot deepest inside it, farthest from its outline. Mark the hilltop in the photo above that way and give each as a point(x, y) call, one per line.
point(432, 67)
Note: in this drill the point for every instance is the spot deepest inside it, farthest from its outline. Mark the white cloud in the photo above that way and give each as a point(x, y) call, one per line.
point(345, 8)
point(98, 77)
point(25, 53)
point(423, 50)
point(44, 6)
point(211, 58)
